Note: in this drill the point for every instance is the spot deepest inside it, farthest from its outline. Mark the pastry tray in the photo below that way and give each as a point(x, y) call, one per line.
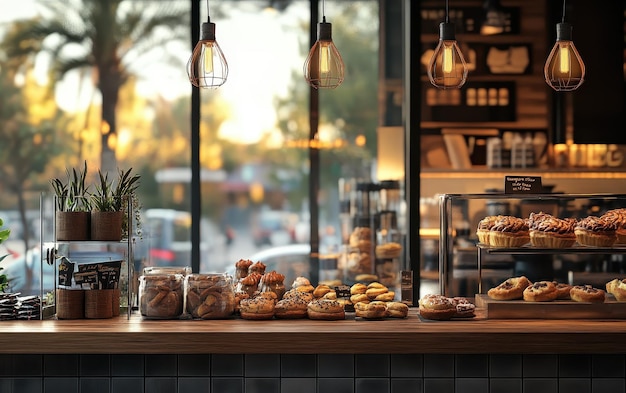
point(557, 309)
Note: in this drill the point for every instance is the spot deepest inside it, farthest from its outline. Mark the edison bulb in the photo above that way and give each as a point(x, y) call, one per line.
point(207, 67)
point(564, 69)
point(324, 67)
point(447, 68)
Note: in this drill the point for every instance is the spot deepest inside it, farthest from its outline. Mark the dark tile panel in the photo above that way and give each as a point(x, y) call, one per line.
point(372, 365)
point(161, 365)
point(194, 365)
point(608, 366)
point(335, 385)
point(438, 366)
point(540, 366)
point(262, 385)
point(438, 385)
point(227, 385)
point(407, 385)
point(574, 385)
point(227, 365)
point(94, 385)
point(372, 385)
point(127, 385)
point(407, 366)
point(127, 365)
point(298, 385)
point(574, 366)
point(505, 385)
point(194, 385)
point(94, 365)
point(604, 385)
point(505, 366)
point(27, 385)
point(262, 365)
point(22, 365)
point(472, 366)
point(335, 366)
point(6, 384)
point(62, 384)
point(60, 365)
point(471, 385)
point(298, 366)
point(540, 385)
point(160, 385)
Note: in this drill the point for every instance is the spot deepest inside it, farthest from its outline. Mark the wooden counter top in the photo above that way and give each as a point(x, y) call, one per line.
point(411, 335)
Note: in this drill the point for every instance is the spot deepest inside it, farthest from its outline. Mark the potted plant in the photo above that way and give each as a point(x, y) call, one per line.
point(110, 205)
point(4, 235)
point(73, 205)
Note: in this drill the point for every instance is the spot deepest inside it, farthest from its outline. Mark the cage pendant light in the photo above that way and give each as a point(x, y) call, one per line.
point(564, 69)
point(207, 67)
point(447, 68)
point(324, 67)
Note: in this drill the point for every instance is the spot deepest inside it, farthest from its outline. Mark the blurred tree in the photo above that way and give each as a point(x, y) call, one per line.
point(105, 37)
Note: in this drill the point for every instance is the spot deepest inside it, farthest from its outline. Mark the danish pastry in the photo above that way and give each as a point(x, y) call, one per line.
point(464, 308)
point(397, 310)
point(617, 288)
point(562, 290)
point(257, 308)
point(325, 309)
point(291, 308)
point(587, 293)
point(511, 289)
point(540, 291)
point(371, 310)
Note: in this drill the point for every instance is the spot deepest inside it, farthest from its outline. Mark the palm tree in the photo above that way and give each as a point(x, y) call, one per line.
point(105, 38)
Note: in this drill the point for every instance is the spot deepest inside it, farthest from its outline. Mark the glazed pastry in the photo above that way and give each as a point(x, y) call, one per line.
point(484, 226)
point(257, 267)
point(273, 282)
point(511, 289)
point(359, 298)
point(551, 232)
point(302, 284)
point(388, 250)
point(306, 296)
point(437, 307)
point(325, 309)
point(321, 290)
point(562, 290)
point(386, 297)
point(242, 267)
point(257, 308)
point(540, 291)
point(291, 308)
point(587, 293)
point(249, 284)
point(358, 288)
point(595, 231)
point(371, 310)
point(375, 289)
point(509, 231)
point(464, 308)
point(397, 310)
point(617, 217)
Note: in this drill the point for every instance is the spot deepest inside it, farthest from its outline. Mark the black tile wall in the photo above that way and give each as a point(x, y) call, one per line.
point(306, 373)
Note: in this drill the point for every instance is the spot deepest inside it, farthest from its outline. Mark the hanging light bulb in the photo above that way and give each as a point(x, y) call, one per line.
point(495, 18)
point(323, 67)
point(447, 68)
point(207, 67)
point(564, 69)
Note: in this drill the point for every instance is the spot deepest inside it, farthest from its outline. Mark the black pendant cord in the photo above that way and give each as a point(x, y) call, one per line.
point(447, 18)
point(563, 17)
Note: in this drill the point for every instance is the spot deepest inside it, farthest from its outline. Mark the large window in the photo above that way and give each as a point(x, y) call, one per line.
point(120, 98)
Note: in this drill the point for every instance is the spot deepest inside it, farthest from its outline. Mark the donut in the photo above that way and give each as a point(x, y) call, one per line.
point(587, 293)
point(325, 309)
point(511, 289)
point(437, 307)
point(291, 308)
point(540, 291)
point(397, 310)
point(257, 308)
point(371, 310)
point(562, 290)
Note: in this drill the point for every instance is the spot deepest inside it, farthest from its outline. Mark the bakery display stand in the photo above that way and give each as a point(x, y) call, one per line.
point(92, 278)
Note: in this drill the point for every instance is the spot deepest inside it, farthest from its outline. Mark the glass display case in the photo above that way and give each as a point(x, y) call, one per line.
point(468, 267)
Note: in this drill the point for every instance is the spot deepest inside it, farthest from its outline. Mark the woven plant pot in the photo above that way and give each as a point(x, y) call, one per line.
point(70, 303)
point(106, 226)
point(99, 303)
point(72, 225)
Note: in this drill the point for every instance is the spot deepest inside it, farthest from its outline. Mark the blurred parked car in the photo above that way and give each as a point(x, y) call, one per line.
point(167, 238)
point(274, 228)
point(25, 271)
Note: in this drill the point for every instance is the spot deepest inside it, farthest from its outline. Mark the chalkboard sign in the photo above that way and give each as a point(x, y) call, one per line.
point(104, 275)
point(522, 185)
point(66, 270)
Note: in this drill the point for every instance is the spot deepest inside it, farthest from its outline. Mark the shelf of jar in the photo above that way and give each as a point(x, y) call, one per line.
point(482, 172)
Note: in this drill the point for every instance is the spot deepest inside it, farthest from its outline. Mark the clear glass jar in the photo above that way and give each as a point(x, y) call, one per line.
point(209, 296)
point(161, 296)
